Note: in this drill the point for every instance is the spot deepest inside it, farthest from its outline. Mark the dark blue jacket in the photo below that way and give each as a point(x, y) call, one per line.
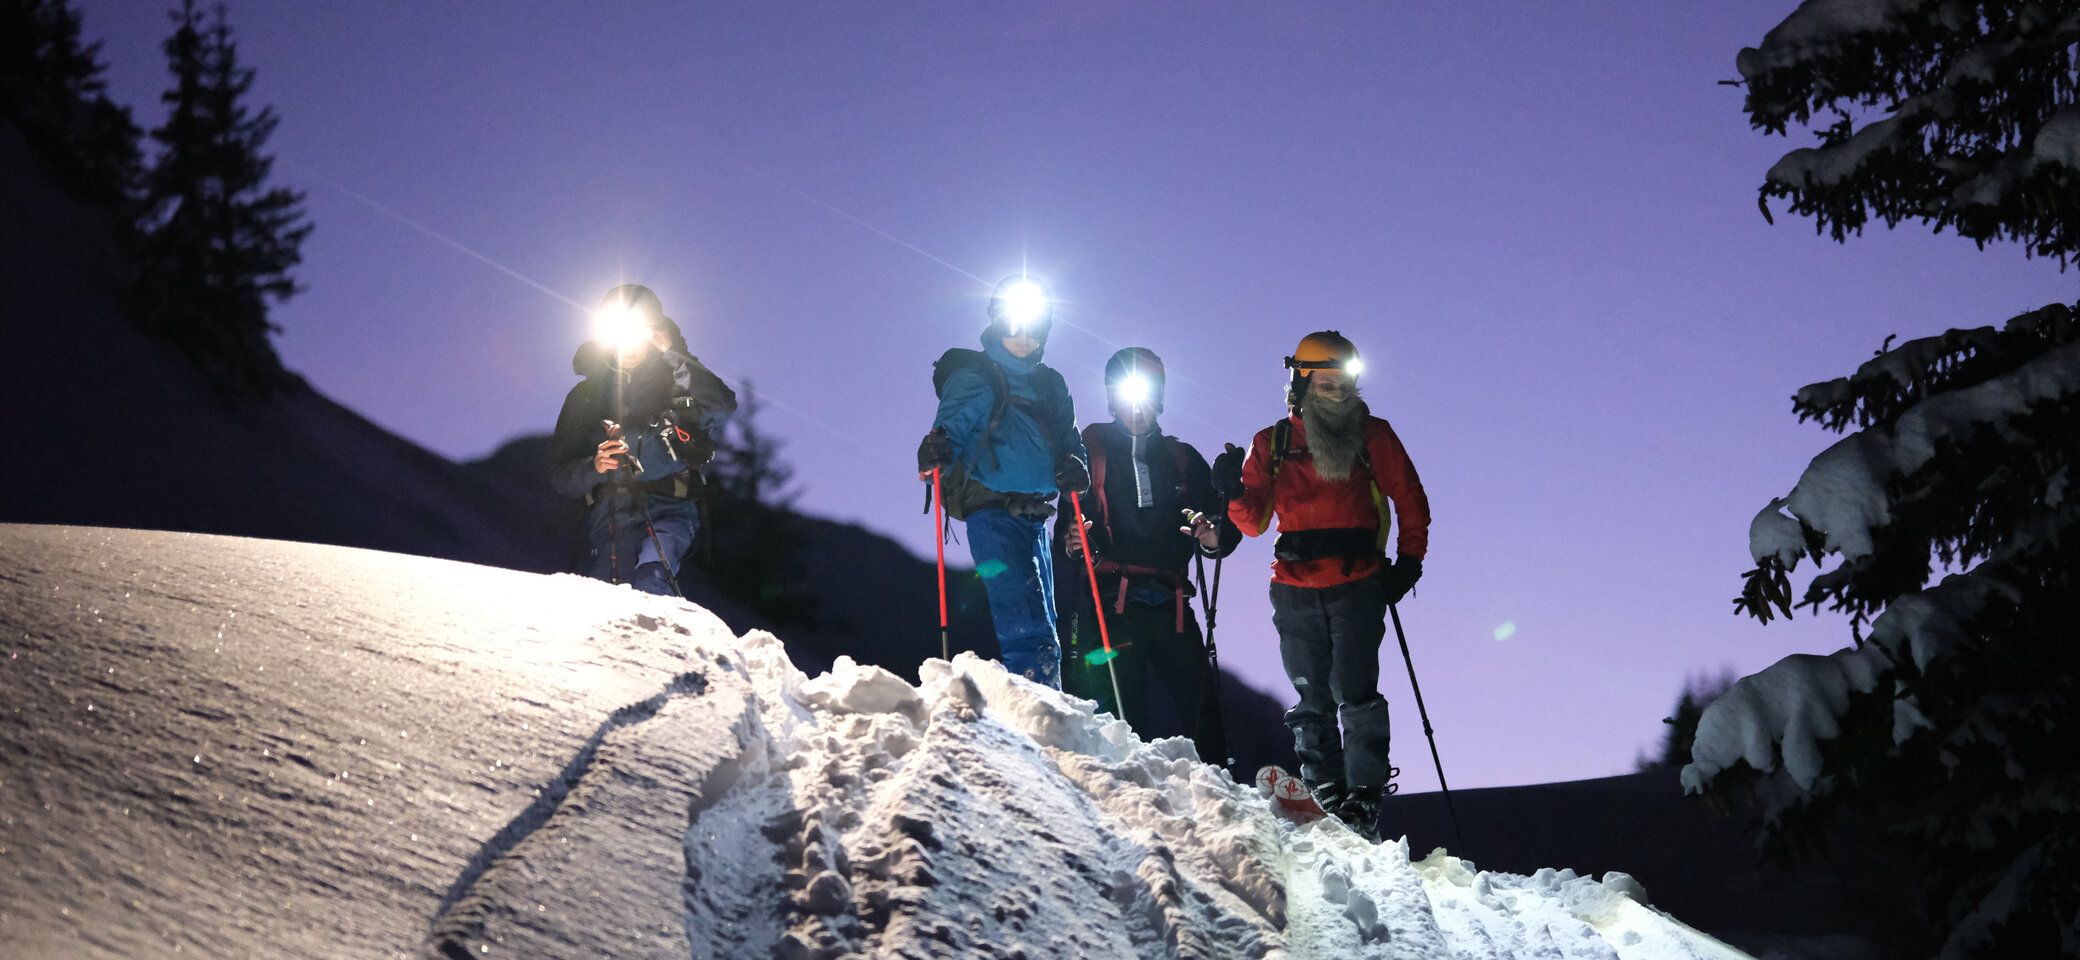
point(632, 398)
point(1037, 426)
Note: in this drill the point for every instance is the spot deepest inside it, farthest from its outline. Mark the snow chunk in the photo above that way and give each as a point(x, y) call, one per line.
point(1772, 534)
point(1843, 493)
point(2058, 140)
point(1836, 162)
point(851, 688)
point(1819, 28)
point(1792, 706)
point(1930, 623)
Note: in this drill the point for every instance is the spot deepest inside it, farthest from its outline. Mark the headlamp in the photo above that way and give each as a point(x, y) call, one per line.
point(1135, 390)
point(622, 325)
point(1354, 366)
point(1023, 303)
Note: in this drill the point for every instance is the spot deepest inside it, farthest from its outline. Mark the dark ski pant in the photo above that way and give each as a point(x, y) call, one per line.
point(1147, 641)
point(621, 543)
point(1016, 562)
point(1329, 638)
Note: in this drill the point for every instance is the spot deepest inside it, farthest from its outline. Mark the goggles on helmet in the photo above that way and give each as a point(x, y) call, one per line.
point(1353, 366)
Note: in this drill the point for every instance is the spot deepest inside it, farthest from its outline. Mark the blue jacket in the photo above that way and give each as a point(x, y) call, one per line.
point(1022, 450)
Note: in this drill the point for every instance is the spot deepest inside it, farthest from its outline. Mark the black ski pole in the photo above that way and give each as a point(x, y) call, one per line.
point(1210, 603)
point(1427, 732)
point(643, 504)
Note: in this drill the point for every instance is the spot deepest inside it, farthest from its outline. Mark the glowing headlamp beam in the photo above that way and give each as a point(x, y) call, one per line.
point(621, 325)
point(1024, 303)
point(1354, 366)
point(1135, 389)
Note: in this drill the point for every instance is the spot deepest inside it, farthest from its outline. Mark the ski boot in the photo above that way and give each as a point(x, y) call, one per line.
point(1329, 793)
point(1359, 810)
point(654, 577)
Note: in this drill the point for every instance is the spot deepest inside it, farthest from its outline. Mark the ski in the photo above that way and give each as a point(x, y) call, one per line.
point(1290, 794)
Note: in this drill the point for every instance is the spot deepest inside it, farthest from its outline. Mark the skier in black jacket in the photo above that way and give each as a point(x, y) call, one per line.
point(1150, 510)
point(632, 438)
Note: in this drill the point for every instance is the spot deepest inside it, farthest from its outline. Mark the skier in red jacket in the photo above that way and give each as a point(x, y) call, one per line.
point(1328, 473)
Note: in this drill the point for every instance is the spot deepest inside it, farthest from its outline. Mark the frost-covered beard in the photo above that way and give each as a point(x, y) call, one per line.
point(1335, 433)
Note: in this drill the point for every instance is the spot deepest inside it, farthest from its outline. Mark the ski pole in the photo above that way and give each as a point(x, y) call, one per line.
point(643, 504)
point(1097, 603)
point(613, 544)
point(1427, 732)
point(1210, 603)
point(939, 535)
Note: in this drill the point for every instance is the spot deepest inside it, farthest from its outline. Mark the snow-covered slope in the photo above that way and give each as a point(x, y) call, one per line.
point(227, 747)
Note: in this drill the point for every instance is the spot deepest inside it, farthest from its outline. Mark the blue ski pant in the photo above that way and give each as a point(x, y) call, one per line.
point(1329, 639)
point(620, 541)
point(1016, 562)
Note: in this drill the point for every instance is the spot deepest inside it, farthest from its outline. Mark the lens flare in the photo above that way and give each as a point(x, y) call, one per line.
point(1135, 390)
point(621, 325)
point(1024, 303)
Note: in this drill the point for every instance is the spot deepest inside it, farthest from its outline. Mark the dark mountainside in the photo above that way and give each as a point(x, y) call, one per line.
point(105, 427)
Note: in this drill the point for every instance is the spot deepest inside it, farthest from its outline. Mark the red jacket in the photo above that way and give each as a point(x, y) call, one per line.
point(1302, 500)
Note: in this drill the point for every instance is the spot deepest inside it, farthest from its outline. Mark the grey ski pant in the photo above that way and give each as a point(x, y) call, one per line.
point(1329, 638)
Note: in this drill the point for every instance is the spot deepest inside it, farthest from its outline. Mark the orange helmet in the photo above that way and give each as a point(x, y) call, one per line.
point(1321, 350)
point(1324, 350)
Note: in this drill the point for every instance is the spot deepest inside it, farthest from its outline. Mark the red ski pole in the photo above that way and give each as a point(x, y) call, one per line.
point(1097, 603)
point(939, 534)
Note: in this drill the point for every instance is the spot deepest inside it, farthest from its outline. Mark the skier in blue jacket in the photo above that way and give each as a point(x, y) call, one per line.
point(1005, 443)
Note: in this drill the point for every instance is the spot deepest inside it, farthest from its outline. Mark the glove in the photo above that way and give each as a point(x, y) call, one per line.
point(1070, 475)
point(1227, 474)
point(935, 452)
point(1401, 576)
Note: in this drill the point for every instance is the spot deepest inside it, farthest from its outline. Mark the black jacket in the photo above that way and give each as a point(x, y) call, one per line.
point(633, 398)
point(1124, 533)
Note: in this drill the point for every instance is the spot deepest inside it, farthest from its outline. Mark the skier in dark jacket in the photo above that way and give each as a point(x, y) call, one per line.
point(1004, 440)
point(1151, 509)
point(1328, 472)
point(632, 438)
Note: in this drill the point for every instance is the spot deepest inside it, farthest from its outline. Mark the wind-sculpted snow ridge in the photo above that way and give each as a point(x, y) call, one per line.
point(980, 815)
point(217, 746)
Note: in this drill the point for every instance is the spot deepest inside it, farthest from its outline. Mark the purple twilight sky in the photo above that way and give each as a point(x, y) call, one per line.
point(1536, 219)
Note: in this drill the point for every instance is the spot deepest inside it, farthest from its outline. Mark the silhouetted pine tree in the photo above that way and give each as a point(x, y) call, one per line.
point(1962, 722)
point(755, 539)
point(52, 88)
point(219, 242)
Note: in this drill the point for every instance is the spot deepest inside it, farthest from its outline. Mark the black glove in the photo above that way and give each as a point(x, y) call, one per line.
point(936, 451)
point(1227, 474)
point(1400, 576)
point(1070, 475)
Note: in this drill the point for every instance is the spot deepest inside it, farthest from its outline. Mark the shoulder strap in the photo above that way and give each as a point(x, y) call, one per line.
point(1094, 447)
point(1379, 500)
point(1281, 434)
point(1177, 454)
